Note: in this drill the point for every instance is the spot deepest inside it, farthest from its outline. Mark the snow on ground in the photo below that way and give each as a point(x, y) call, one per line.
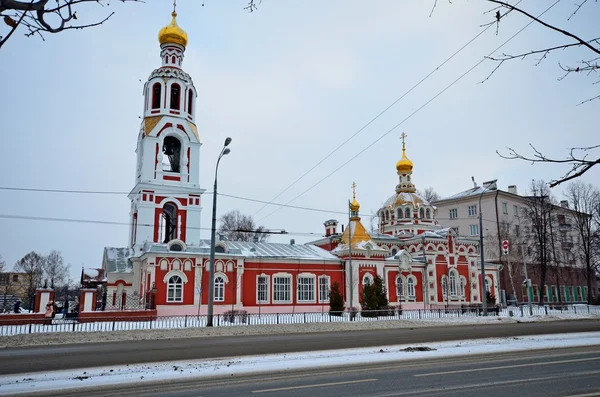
point(231, 366)
point(152, 334)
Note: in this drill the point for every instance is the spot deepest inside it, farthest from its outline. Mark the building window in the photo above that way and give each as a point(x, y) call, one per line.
point(400, 213)
point(156, 92)
point(453, 283)
point(282, 289)
point(444, 286)
point(400, 287)
point(462, 286)
point(474, 230)
point(306, 289)
point(456, 229)
point(169, 220)
point(410, 284)
point(407, 213)
point(516, 210)
point(15, 278)
point(421, 213)
point(262, 290)
point(517, 231)
point(505, 208)
point(190, 101)
point(454, 213)
point(175, 289)
point(428, 213)
point(175, 96)
point(219, 289)
point(4, 279)
point(324, 289)
point(171, 154)
point(367, 279)
point(473, 210)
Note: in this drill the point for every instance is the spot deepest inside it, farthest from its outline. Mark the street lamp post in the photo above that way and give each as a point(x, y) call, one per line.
point(211, 272)
point(483, 289)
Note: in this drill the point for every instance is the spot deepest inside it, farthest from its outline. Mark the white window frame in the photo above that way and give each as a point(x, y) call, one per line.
point(267, 288)
point(445, 288)
point(219, 289)
point(505, 208)
point(368, 276)
point(516, 210)
point(306, 288)
point(175, 287)
point(453, 212)
point(411, 283)
point(473, 210)
point(474, 230)
point(453, 282)
point(400, 290)
point(327, 284)
point(275, 288)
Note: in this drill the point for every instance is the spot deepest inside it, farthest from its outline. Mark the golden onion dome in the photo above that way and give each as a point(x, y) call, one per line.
point(172, 33)
point(404, 165)
point(354, 206)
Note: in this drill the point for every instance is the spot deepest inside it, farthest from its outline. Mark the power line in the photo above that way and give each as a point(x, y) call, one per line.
point(93, 221)
point(410, 115)
point(376, 117)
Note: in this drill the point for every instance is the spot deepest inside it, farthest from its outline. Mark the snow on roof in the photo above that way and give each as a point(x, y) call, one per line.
point(97, 275)
point(475, 191)
point(117, 260)
point(405, 197)
point(252, 250)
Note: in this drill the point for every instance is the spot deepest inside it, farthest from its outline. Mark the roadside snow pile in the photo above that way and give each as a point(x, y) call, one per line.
point(153, 334)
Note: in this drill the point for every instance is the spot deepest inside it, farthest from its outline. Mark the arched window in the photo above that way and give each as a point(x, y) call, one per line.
point(400, 213)
point(171, 154)
point(190, 102)
point(175, 289)
point(453, 283)
point(421, 215)
point(367, 279)
point(156, 92)
point(410, 284)
point(175, 96)
point(400, 287)
point(428, 213)
point(394, 251)
point(444, 286)
point(169, 215)
point(407, 213)
point(219, 289)
point(173, 59)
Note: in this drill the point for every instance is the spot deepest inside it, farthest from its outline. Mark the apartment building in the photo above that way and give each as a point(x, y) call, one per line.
point(506, 215)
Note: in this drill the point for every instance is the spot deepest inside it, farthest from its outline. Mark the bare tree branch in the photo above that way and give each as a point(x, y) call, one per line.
point(252, 5)
point(580, 164)
point(577, 9)
point(33, 15)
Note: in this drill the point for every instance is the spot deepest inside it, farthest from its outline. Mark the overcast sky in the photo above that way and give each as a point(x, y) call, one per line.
point(289, 83)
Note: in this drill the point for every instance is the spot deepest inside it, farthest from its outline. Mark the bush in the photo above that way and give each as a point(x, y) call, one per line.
point(336, 300)
point(230, 316)
point(373, 297)
point(490, 298)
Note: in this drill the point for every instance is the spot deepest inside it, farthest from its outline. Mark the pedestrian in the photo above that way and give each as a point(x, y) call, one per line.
point(17, 307)
point(49, 314)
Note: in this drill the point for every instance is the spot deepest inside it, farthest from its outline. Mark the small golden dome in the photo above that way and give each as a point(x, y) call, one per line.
point(172, 33)
point(404, 165)
point(354, 206)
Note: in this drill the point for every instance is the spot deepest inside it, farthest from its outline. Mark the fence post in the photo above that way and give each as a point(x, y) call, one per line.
point(277, 318)
point(521, 307)
point(575, 308)
point(185, 324)
point(113, 326)
point(74, 323)
point(419, 314)
point(30, 327)
point(304, 317)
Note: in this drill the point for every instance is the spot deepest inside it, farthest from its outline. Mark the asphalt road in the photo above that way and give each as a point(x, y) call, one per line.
point(571, 372)
point(74, 356)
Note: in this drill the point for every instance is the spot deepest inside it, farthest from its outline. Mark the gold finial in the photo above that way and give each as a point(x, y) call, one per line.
point(354, 205)
point(404, 165)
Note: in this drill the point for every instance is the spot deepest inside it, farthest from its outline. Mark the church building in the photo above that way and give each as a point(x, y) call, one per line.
point(422, 264)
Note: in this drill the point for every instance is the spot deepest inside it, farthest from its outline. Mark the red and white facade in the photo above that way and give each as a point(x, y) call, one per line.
point(414, 255)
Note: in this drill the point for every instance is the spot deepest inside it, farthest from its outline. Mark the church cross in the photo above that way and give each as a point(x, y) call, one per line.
point(354, 190)
point(402, 137)
point(175, 6)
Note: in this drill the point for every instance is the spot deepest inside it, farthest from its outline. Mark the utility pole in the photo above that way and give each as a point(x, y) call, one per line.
point(350, 256)
point(527, 281)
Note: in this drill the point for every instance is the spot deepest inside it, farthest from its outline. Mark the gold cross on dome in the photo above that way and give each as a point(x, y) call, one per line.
point(174, 5)
point(353, 190)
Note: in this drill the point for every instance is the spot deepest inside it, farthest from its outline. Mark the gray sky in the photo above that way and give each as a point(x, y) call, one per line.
point(289, 83)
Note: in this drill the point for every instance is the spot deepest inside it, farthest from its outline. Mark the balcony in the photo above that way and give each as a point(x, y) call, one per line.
point(564, 227)
point(566, 245)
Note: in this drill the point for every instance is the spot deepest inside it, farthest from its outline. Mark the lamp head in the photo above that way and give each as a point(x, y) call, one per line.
point(226, 151)
point(227, 141)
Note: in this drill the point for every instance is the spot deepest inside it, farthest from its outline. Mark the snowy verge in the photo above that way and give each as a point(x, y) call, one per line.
point(231, 366)
point(154, 334)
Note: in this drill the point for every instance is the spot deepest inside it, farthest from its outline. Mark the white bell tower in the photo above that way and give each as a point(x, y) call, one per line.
point(166, 199)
